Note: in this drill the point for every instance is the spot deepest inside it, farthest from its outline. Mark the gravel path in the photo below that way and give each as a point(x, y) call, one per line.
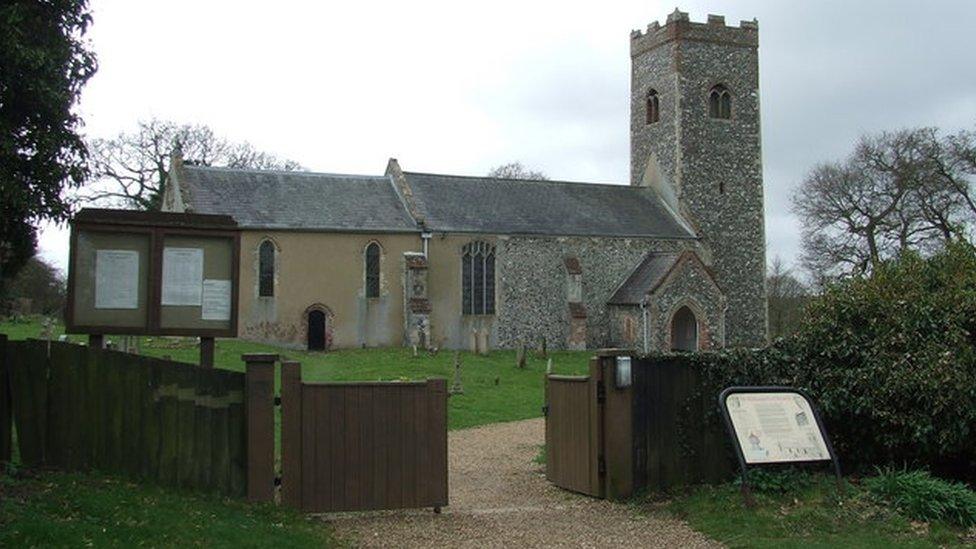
point(499, 498)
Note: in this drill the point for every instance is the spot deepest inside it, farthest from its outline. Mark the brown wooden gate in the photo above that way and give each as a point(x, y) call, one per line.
point(363, 446)
point(573, 432)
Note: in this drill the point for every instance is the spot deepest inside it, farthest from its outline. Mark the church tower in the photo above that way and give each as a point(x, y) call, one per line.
point(695, 139)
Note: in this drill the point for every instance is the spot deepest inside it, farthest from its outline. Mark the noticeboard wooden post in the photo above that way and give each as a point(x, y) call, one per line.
point(153, 273)
point(775, 425)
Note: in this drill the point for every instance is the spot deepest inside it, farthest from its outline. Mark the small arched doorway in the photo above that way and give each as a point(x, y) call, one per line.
point(316, 330)
point(684, 330)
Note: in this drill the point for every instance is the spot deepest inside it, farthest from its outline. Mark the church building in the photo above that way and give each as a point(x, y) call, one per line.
point(674, 260)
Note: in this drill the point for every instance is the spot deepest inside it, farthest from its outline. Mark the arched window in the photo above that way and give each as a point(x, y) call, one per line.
point(653, 109)
point(684, 330)
point(266, 269)
point(478, 279)
point(373, 270)
point(720, 102)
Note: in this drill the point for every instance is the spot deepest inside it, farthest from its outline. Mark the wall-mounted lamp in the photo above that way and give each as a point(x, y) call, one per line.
point(622, 374)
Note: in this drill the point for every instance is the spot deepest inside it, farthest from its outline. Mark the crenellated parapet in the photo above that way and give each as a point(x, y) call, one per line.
point(680, 27)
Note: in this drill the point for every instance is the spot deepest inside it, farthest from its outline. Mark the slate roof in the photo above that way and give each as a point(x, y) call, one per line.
point(453, 203)
point(333, 202)
point(645, 276)
point(297, 200)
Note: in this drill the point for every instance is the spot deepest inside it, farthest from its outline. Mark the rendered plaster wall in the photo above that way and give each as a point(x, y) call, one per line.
point(325, 271)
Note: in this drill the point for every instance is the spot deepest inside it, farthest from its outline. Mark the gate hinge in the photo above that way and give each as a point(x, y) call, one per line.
point(277, 401)
point(601, 465)
point(601, 392)
point(545, 410)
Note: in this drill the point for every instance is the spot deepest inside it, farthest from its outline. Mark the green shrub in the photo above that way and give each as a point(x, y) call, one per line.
point(920, 496)
point(890, 359)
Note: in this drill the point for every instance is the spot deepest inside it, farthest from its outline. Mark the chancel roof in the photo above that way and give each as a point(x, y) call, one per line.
point(297, 200)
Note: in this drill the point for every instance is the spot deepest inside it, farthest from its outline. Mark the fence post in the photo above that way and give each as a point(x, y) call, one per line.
point(291, 434)
point(6, 418)
point(259, 383)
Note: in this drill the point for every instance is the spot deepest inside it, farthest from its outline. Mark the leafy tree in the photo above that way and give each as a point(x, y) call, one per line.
point(515, 170)
point(44, 63)
point(41, 283)
point(907, 190)
point(131, 169)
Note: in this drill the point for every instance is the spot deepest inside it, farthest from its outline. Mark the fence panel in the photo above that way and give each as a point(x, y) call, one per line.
point(79, 408)
point(6, 414)
point(675, 441)
point(364, 446)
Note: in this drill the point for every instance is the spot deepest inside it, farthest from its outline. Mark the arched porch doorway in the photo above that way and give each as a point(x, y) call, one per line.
point(684, 330)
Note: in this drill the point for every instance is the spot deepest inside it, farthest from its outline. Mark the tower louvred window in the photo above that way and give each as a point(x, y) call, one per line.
point(653, 107)
point(720, 102)
point(478, 279)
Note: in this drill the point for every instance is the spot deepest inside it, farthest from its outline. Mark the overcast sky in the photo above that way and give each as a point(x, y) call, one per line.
point(459, 87)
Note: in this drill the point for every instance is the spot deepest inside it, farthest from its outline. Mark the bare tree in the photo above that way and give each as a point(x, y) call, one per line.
point(907, 190)
point(515, 170)
point(786, 296)
point(131, 168)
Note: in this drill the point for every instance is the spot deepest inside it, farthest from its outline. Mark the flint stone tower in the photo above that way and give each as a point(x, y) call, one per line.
point(695, 139)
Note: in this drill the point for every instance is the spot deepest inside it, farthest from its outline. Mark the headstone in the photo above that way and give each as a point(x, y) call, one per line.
point(456, 388)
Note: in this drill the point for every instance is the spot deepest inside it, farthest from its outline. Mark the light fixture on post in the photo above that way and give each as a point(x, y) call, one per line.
point(622, 373)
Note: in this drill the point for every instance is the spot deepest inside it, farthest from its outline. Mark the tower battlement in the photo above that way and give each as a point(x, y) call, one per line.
point(680, 26)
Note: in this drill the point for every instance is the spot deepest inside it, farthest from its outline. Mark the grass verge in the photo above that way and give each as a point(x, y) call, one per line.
point(71, 510)
point(812, 514)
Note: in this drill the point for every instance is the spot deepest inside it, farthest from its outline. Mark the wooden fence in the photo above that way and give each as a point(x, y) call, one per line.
point(80, 408)
point(345, 446)
point(679, 438)
point(359, 446)
point(613, 440)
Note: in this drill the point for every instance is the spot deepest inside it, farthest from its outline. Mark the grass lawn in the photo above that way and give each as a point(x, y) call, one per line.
point(494, 389)
point(809, 516)
point(72, 510)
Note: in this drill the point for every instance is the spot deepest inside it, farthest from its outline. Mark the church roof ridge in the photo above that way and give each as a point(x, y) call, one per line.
point(305, 173)
point(516, 179)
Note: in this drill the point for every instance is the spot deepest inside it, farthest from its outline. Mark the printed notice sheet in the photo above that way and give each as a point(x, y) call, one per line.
point(182, 276)
point(776, 427)
point(116, 279)
point(216, 300)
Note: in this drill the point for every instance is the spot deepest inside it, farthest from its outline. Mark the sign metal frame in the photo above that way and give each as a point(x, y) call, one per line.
point(744, 465)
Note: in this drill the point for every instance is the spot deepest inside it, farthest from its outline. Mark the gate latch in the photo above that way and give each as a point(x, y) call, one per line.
point(545, 410)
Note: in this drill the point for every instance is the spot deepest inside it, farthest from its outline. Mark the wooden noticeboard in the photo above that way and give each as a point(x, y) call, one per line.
point(153, 273)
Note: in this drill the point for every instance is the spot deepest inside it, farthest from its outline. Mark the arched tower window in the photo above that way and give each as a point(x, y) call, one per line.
point(372, 268)
point(478, 279)
point(266, 269)
point(653, 108)
point(720, 102)
point(684, 330)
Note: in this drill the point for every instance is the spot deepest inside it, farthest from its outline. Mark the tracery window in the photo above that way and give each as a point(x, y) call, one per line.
point(720, 102)
point(478, 279)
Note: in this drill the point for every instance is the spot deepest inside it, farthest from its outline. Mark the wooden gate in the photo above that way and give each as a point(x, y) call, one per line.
point(573, 432)
point(362, 446)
